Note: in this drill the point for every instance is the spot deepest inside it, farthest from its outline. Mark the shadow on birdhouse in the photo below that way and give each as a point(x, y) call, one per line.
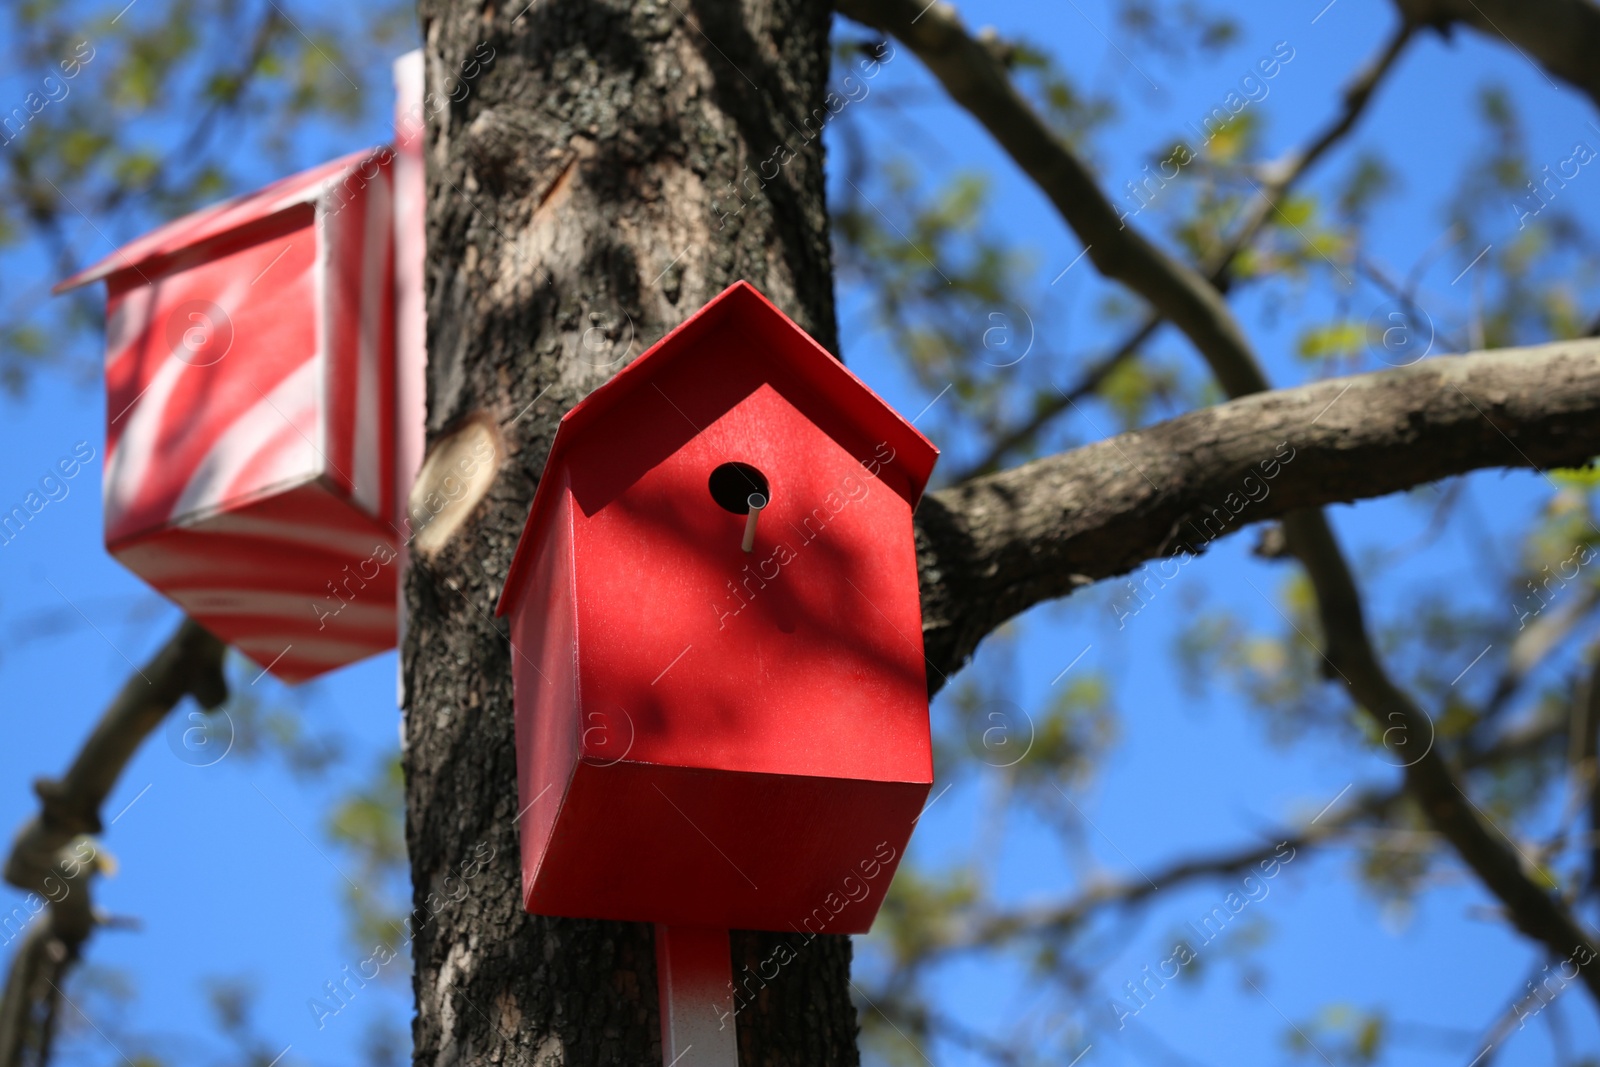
point(250, 415)
point(721, 706)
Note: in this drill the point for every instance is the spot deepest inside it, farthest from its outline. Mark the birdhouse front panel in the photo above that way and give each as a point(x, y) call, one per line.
point(803, 655)
point(742, 732)
point(250, 416)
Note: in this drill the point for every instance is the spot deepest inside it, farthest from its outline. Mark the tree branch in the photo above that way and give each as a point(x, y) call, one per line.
point(995, 546)
point(1000, 544)
point(1009, 441)
point(1533, 645)
point(989, 930)
point(1504, 869)
point(1279, 176)
point(977, 80)
point(1585, 761)
point(41, 860)
point(1563, 36)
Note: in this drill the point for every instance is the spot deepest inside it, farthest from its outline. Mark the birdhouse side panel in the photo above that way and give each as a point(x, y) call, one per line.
point(544, 647)
point(213, 381)
point(803, 656)
point(356, 219)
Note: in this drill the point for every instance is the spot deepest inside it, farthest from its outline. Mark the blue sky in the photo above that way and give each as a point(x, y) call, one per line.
point(228, 871)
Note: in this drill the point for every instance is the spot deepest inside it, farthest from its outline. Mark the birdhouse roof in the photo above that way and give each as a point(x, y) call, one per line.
point(158, 246)
point(742, 307)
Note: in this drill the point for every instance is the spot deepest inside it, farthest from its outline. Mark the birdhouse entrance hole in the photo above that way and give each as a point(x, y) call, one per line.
point(733, 484)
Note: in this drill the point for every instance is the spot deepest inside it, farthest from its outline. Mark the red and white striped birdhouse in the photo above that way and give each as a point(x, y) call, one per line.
point(721, 705)
point(250, 415)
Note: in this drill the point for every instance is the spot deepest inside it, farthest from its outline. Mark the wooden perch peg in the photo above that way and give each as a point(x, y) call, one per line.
point(756, 502)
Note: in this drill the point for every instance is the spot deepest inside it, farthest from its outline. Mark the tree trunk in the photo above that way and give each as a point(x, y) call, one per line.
point(581, 156)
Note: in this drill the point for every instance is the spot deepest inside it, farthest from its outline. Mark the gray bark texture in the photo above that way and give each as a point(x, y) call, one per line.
point(581, 203)
point(995, 546)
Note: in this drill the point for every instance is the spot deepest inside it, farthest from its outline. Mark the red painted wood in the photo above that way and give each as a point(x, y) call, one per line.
point(410, 317)
point(707, 736)
point(250, 392)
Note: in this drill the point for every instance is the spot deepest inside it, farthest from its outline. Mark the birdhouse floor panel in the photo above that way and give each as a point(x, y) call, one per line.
point(301, 581)
point(747, 851)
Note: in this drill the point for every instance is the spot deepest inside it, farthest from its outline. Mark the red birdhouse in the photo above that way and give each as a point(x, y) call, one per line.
point(250, 415)
point(721, 705)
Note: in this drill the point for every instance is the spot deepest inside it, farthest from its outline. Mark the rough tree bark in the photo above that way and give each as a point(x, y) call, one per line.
point(580, 204)
point(994, 546)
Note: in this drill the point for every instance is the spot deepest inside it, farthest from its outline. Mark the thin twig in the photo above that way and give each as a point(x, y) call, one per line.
point(1279, 177)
